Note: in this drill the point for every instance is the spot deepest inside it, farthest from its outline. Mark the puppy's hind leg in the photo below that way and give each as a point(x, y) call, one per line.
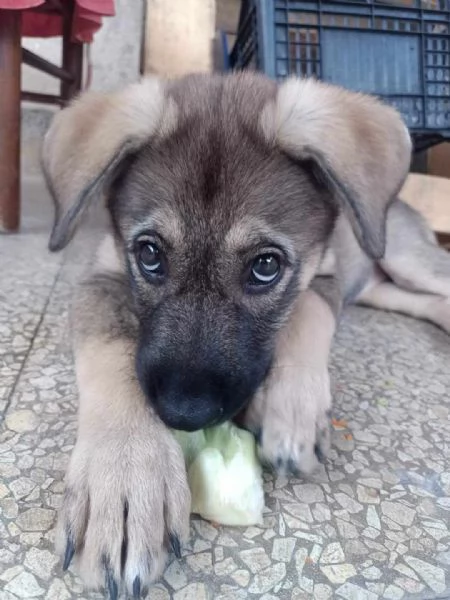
point(413, 259)
point(386, 295)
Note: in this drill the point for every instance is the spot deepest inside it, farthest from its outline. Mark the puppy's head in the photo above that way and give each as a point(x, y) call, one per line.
point(223, 192)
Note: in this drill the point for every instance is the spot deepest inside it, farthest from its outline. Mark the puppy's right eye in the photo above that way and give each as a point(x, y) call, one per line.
point(265, 269)
point(150, 259)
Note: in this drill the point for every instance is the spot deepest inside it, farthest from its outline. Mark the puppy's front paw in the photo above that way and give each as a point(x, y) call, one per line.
point(126, 504)
point(294, 435)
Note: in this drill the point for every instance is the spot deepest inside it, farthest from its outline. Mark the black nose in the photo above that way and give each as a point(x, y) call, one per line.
point(189, 413)
point(189, 401)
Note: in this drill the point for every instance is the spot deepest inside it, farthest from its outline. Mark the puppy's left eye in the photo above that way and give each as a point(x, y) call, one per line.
point(265, 269)
point(150, 259)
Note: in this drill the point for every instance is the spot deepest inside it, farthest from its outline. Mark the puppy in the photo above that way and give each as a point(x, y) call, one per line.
point(243, 215)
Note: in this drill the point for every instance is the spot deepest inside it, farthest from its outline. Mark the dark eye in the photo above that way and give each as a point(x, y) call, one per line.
point(265, 269)
point(150, 258)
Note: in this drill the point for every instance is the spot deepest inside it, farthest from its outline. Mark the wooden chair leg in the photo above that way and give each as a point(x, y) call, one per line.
point(72, 55)
point(10, 59)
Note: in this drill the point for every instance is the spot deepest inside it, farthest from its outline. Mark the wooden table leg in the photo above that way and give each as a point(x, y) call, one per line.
point(72, 55)
point(10, 59)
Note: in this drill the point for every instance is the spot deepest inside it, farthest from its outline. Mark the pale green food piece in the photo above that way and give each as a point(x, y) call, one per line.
point(224, 474)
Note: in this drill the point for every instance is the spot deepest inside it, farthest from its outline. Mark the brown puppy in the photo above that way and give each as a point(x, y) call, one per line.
point(229, 197)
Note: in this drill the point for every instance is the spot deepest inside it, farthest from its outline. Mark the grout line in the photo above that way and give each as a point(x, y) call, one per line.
point(33, 338)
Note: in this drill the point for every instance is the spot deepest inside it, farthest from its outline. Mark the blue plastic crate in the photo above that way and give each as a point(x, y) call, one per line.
point(400, 52)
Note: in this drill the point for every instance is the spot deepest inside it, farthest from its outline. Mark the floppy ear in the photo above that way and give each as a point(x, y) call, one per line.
point(87, 141)
point(360, 148)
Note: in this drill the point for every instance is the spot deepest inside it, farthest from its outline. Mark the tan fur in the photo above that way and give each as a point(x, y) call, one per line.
point(310, 268)
point(363, 142)
point(85, 138)
point(351, 130)
point(123, 454)
point(388, 296)
point(328, 264)
point(108, 257)
point(414, 275)
point(249, 229)
point(291, 407)
point(94, 128)
point(165, 220)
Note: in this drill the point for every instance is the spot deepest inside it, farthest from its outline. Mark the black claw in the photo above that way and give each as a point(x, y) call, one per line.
point(175, 544)
point(279, 463)
point(323, 432)
point(111, 585)
point(69, 553)
point(137, 587)
point(258, 436)
point(320, 455)
point(293, 469)
point(267, 465)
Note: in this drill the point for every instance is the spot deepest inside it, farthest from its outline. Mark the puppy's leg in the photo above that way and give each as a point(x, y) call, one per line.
point(413, 259)
point(291, 410)
point(127, 500)
point(418, 268)
point(388, 296)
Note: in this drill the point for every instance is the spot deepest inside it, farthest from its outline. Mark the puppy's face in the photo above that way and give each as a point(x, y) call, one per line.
point(220, 231)
point(228, 190)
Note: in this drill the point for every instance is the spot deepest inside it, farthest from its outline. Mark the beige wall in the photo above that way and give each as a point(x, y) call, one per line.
point(179, 36)
point(227, 18)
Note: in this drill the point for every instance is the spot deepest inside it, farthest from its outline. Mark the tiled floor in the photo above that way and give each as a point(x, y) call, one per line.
point(374, 523)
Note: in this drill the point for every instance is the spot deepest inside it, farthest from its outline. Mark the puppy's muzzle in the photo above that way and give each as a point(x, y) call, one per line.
point(200, 367)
